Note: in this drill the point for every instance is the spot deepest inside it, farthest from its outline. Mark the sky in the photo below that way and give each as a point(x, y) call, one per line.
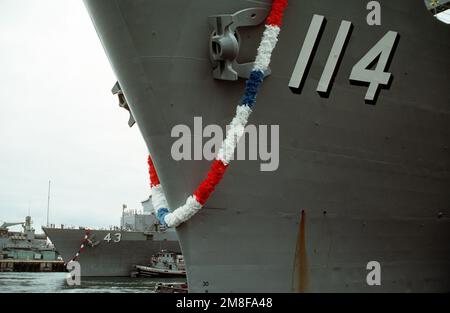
point(60, 122)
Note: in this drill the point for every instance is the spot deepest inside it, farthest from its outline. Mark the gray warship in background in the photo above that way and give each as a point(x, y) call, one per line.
point(24, 245)
point(115, 251)
point(364, 173)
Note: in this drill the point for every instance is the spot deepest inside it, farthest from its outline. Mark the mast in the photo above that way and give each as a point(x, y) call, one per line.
point(48, 203)
point(122, 226)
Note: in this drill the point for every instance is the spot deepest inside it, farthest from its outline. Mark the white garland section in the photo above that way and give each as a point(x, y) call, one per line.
point(234, 134)
point(158, 198)
point(183, 213)
point(266, 47)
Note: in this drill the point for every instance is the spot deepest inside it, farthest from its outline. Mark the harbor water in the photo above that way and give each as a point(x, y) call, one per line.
point(56, 283)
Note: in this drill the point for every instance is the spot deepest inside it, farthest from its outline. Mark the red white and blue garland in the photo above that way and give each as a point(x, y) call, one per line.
point(84, 241)
point(195, 202)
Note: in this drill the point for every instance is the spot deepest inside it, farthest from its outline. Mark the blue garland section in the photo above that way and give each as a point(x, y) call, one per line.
point(251, 88)
point(160, 214)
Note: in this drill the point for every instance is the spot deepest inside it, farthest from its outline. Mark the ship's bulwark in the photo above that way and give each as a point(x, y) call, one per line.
point(372, 180)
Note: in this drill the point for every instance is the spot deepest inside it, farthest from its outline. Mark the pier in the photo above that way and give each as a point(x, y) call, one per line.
point(31, 266)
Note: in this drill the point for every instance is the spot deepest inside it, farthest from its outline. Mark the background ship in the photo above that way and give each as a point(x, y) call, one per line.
point(114, 252)
point(26, 245)
point(372, 180)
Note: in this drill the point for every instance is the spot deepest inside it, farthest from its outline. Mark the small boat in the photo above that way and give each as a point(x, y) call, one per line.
point(163, 264)
point(171, 288)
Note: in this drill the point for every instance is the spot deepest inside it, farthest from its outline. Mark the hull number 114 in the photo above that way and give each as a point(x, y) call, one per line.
point(379, 54)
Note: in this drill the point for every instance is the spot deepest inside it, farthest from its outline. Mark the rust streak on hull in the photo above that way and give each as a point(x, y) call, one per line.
point(301, 260)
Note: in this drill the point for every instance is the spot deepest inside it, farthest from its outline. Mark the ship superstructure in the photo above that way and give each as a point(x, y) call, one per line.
point(24, 245)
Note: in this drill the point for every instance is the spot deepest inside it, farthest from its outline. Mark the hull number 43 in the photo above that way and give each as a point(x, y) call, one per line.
point(114, 238)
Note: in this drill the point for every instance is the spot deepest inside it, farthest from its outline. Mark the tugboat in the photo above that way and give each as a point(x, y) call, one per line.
point(163, 264)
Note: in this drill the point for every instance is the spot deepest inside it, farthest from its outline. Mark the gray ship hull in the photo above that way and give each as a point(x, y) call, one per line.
point(373, 181)
point(110, 258)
